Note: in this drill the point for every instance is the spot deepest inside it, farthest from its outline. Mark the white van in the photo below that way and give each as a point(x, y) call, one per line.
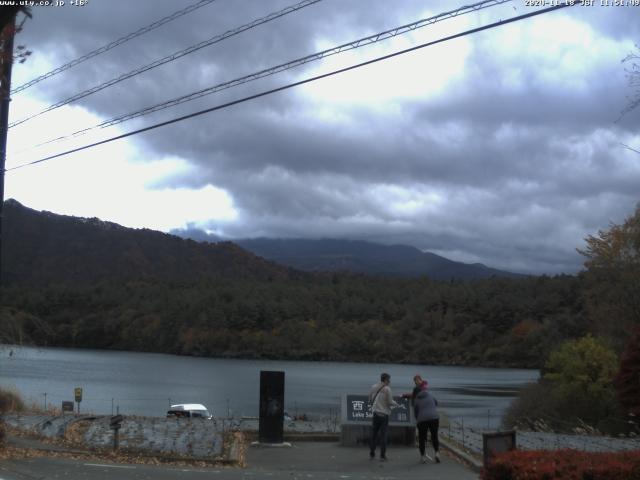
point(189, 410)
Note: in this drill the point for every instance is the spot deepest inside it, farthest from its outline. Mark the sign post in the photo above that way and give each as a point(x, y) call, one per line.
point(78, 395)
point(116, 423)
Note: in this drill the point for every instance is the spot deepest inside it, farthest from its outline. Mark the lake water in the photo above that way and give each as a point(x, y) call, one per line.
point(146, 383)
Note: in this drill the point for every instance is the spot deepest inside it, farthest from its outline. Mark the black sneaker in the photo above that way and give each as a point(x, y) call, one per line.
point(437, 457)
point(372, 455)
point(383, 459)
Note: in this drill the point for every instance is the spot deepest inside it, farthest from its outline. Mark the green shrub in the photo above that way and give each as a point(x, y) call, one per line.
point(533, 403)
point(576, 390)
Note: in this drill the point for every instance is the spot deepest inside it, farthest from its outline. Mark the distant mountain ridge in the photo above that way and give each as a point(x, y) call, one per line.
point(357, 256)
point(43, 247)
point(366, 257)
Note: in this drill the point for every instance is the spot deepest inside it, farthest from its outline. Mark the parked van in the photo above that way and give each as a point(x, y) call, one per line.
point(189, 410)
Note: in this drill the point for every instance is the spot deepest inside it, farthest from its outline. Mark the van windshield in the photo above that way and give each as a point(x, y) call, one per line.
point(200, 413)
point(178, 413)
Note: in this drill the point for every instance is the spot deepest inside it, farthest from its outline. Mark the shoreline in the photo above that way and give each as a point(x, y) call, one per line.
point(271, 359)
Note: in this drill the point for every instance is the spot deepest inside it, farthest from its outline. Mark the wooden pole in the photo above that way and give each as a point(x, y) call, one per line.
point(8, 34)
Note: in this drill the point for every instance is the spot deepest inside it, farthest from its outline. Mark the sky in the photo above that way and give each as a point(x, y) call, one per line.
point(505, 147)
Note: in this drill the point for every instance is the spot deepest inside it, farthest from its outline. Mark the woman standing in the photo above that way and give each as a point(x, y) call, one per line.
point(428, 421)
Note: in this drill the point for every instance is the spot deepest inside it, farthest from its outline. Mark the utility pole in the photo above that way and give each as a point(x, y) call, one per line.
point(6, 62)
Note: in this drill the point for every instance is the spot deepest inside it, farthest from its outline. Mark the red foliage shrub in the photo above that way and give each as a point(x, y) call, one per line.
point(563, 464)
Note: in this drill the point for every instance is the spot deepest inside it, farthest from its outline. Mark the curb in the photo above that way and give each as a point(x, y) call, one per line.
point(311, 437)
point(301, 437)
point(475, 464)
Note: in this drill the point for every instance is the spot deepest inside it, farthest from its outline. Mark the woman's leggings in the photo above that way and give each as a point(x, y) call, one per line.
point(431, 426)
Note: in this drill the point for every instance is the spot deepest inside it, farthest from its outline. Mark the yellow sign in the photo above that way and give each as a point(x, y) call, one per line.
point(78, 394)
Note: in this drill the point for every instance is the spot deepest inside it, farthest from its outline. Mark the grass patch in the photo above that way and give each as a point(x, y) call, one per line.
point(10, 401)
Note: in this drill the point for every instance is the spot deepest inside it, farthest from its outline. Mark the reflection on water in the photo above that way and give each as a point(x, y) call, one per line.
point(487, 390)
point(146, 383)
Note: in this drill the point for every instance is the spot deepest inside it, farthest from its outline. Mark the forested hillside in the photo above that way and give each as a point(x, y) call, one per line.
point(42, 248)
point(485, 322)
point(86, 283)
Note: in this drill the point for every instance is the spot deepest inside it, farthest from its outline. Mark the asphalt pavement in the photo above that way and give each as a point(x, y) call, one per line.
point(302, 460)
point(328, 460)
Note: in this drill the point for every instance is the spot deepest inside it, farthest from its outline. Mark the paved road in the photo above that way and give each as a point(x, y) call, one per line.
point(304, 460)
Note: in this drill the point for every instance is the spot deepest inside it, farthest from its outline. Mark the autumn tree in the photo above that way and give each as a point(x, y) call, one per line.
point(612, 279)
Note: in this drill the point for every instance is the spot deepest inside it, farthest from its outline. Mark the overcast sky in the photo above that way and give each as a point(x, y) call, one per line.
point(503, 147)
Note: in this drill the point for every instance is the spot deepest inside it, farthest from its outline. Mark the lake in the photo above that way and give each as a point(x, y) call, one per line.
point(147, 383)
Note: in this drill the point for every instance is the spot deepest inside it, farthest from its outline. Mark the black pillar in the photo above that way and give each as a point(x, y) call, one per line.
point(271, 407)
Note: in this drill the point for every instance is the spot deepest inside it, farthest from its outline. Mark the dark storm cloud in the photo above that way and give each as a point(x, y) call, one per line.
point(511, 165)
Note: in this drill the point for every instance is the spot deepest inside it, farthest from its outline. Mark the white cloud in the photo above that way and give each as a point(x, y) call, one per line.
point(499, 147)
point(114, 182)
point(421, 74)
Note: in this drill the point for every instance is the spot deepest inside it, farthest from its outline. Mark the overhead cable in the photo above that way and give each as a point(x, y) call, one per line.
point(113, 44)
point(172, 57)
point(289, 65)
point(569, 3)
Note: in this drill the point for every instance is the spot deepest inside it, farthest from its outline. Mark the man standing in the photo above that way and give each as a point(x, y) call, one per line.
point(381, 404)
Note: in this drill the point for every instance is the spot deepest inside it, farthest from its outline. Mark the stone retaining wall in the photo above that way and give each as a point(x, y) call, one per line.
point(198, 438)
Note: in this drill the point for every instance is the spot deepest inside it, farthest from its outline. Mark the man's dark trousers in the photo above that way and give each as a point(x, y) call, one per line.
point(380, 427)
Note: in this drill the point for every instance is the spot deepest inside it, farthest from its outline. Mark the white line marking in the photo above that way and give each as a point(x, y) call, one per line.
point(108, 466)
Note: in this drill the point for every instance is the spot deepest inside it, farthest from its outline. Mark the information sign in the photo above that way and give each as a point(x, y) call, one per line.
point(116, 421)
point(358, 409)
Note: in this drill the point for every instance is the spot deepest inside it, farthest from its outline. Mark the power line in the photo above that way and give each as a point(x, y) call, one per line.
point(569, 3)
point(629, 148)
point(289, 65)
point(172, 57)
point(113, 44)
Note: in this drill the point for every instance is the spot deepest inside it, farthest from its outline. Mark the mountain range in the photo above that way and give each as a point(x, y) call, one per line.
point(366, 257)
point(43, 247)
point(357, 256)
